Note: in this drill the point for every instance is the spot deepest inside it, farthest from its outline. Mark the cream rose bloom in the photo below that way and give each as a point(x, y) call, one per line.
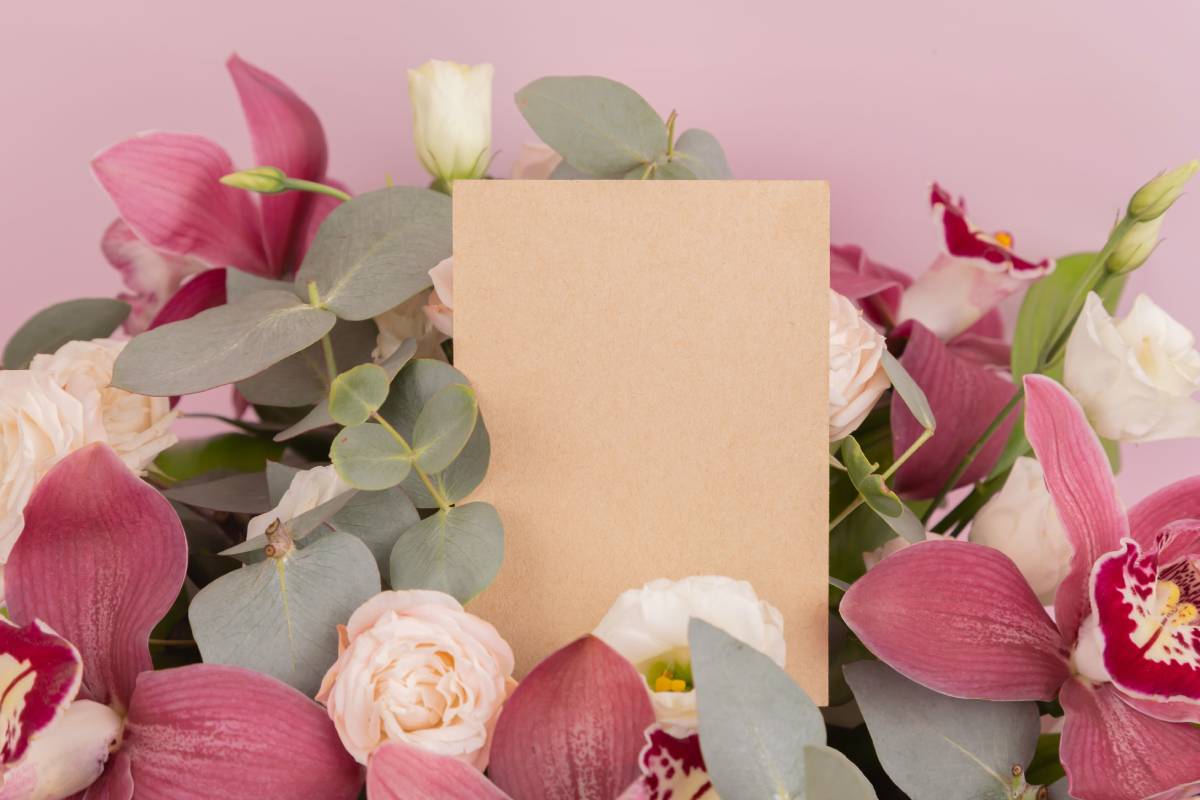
point(1021, 522)
point(137, 427)
point(309, 489)
point(856, 376)
point(414, 667)
point(452, 118)
point(1134, 377)
point(649, 627)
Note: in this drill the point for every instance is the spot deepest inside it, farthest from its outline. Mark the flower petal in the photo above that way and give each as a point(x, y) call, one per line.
point(207, 730)
point(574, 727)
point(67, 757)
point(399, 771)
point(150, 275)
point(286, 134)
point(1112, 752)
point(205, 291)
point(960, 619)
point(1080, 481)
point(40, 673)
point(965, 398)
point(673, 767)
point(1180, 500)
point(166, 187)
point(101, 560)
point(962, 240)
point(115, 783)
point(875, 287)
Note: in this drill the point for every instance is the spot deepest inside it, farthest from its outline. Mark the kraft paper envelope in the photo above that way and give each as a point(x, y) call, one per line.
point(651, 359)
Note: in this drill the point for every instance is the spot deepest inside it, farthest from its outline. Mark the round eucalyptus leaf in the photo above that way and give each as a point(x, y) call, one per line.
point(51, 328)
point(829, 775)
point(700, 152)
point(357, 393)
point(378, 519)
point(457, 551)
point(303, 379)
point(672, 171)
point(444, 426)
point(368, 457)
point(241, 493)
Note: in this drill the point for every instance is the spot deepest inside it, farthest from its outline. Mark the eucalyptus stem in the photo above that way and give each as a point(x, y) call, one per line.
point(899, 462)
point(314, 300)
point(438, 497)
point(671, 134)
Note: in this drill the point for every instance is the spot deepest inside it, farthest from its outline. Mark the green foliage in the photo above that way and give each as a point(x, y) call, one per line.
point(444, 427)
point(877, 495)
point(357, 393)
point(302, 379)
point(912, 394)
point(229, 452)
point(51, 328)
point(457, 551)
point(369, 457)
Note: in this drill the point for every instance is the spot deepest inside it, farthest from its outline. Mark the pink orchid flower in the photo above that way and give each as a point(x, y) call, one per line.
point(40, 673)
point(1122, 654)
point(176, 218)
point(579, 727)
point(101, 559)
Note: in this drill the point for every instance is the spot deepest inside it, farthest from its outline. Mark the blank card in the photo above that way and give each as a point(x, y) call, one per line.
point(651, 360)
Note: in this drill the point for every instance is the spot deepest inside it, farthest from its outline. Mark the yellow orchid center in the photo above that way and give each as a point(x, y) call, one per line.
point(1004, 239)
point(1174, 613)
point(670, 672)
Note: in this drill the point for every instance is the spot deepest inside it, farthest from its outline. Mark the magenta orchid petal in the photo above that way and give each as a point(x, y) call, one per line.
point(673, 767)
point(400, 771)
point(1112, 752)
point(150, 275)
point(875, 287)
point(95, 527)
point(40, 673)
point(286, 134)
point(965, 396)
point(960, 619)
point(575, 724)
point(1174, 711)
point(166, 188)
point(1180, 500)
point(982, 350)
point(208, 730)
point(1080, 480)
point(205, 291)
point(322, 206)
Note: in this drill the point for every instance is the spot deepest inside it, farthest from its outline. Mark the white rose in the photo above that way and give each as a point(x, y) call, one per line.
point(452, 118)
point(649, 627)
point(40, 424)
point(856, 376)
point(1135, 376)
point(414, 667)
point(1021, 522)
point(308, 489)
point(137, 427)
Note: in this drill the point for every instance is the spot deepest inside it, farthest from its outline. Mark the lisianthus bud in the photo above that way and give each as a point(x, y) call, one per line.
point(1135, 247)
point(264, 180)
point(452, 118)
point(1153, 199)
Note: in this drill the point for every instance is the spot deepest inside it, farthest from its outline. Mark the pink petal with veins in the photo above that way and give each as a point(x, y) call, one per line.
point(205, 291)
point(1180, 500)
point(876, 288)
point(40, 673)
point(400, 771)
point(151, 276)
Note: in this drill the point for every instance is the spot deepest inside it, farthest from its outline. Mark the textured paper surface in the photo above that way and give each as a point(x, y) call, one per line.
point(651, 360)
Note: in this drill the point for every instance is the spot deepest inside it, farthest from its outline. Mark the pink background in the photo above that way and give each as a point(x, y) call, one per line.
point(1045, 114)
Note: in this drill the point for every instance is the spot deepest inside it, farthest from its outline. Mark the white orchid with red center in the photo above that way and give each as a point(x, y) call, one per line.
point(1122, 654)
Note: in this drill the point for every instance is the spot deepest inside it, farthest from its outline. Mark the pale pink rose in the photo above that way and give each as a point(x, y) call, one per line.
point(535, 162)
point(856, 376)
point(414, 667)
point(440, 309)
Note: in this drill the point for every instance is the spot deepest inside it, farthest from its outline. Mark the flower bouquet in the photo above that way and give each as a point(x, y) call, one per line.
point(277, 609)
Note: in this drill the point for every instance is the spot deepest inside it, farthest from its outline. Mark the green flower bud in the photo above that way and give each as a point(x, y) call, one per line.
point(1153, 199)
point(264, 180)
point(1135, 247)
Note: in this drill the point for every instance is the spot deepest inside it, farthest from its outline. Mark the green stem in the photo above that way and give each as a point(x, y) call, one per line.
point(671, 134)
point(314, 300)
point(438, 497)
point(316, 188)
point(172, 643)
point(897, 464)
point(847, 511)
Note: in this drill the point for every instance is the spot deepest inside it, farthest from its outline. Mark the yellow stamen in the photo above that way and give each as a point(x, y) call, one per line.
point(1004, 239)
point(667, 682)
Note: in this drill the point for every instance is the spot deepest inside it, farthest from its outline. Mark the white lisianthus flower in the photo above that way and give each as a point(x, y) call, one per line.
point(649, 627)
point(856, 376)
point(452, 118)
point(1021, 522)
point(1134, 377)
point(414, 667)
point(309, 489)
point(137, 427)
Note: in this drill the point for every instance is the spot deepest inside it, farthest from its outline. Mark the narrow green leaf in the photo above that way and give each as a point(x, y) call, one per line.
point(221, 345)
point(444, 427)
point(375, 251)
point(368, 457)
point(912, 394)
point(829, 775)
point(700, 152)
point(1047, 302)
point(357, 393)
point(228, 452)
point(869, 484)
point(600, 126)
point(457, 551)
point(51, 328)
point(242, 493)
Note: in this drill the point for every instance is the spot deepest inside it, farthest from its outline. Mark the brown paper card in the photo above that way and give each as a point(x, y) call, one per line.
point(651, 359)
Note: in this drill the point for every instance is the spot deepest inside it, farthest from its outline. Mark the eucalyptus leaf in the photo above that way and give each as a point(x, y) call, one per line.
point(375, 251)
point(368, 457)
point(754, 720)
point(242, 493)
point(829, 775)
point(279, 479)
point(934, 746)
point(303, 378)
point(357, 393)
point(378, 519)
point(239, 284)
point(700, 152)
point(280, 617)
point(221, 345)
point(877, 495)
point(672, 171)
point(457, 551)
point(1059, 790)
point(565, 172)
point(444, 426)
point(51, 328)
point(600, 126)
point(912, 394)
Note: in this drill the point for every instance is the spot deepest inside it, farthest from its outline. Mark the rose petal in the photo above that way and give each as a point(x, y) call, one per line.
point(40, 673)
point(399, 771)
point(151, 276)
point(965, 398)
point(1080, 481)
point(1112, 752)
point(286, 134)
point(574, 727)
point(166, 187)
point(1180, 500)
point(206, 731)
point(205, 291)
point(100, 560)
point(960, 619)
